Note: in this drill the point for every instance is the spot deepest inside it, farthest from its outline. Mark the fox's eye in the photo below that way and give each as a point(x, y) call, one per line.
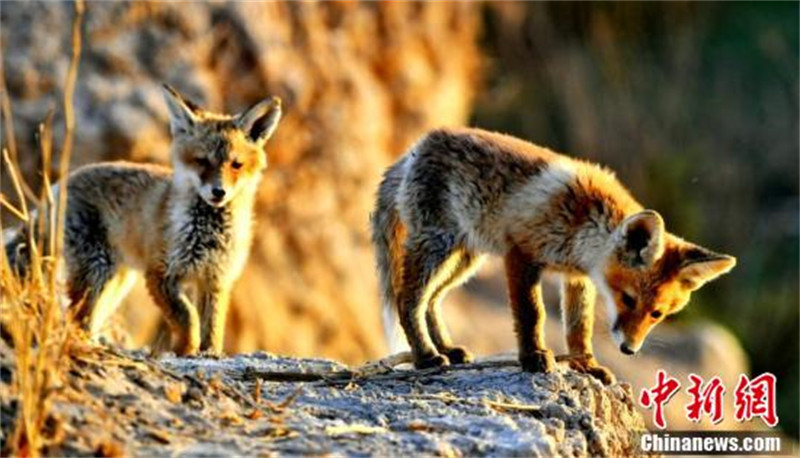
point(236, 165)
point(656, 314)
point(629, 301)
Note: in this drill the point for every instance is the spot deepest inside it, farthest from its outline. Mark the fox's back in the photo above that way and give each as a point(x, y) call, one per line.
point(118, 185)
point(490, 185)
point(476, 156)
point(124, 202)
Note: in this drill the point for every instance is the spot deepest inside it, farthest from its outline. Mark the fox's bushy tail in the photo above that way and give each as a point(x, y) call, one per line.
point(16, 243)
point(17, 250)
point(388, 236)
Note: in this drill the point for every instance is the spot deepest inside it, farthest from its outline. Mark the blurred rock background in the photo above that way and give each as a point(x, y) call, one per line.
point(694, 105)
point(359, 83)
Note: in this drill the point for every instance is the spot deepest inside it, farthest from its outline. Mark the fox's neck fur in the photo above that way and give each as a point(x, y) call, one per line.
point(579, 206)
point(199, 230)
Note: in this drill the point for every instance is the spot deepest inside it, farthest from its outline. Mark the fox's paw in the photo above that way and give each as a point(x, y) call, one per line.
point(187, 348)
point(437, 360)
point(210, 354)
point(186, 352)
point(538, 361)
point(593, 368)
point(603, 374)
point(459, 355)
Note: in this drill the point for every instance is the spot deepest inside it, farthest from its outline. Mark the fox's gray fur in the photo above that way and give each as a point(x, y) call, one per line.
point(416, 200)
point(186, 229)
point(460, 194)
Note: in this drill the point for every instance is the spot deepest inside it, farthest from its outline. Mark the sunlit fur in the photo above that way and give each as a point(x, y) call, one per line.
point(168, 225)
point(664, 289)
point(461, 193)
point(205, 160)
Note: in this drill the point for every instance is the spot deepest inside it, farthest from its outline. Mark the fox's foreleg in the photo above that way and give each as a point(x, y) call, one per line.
point(179, 312)
point(578, 297)
point(214, 297)
point(524, 276)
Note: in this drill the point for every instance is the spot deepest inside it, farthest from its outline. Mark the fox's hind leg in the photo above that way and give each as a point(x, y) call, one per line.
point(114, 292)
point(85, 289)
point(578, 297)
point(91, 264)
point(429, 255)
point(467, 264)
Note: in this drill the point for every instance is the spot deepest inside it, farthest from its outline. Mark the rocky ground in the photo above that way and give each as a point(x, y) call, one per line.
point(115, 403)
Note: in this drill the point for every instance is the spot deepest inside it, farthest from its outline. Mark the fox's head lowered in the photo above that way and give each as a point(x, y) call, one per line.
point(650, 274)
point(218, 155)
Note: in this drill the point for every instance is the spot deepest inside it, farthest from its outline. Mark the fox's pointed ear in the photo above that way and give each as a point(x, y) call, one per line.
point(640, 239)
point(260, 120)
point(182, 112)
point(700, 265)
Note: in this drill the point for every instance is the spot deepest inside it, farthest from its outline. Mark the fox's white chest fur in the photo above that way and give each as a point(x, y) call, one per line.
point(203, 239)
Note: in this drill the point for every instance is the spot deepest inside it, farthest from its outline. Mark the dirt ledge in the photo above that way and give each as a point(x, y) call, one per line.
point(126, 403)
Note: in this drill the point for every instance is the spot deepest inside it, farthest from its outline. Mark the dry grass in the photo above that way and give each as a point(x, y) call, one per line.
point(30, 307)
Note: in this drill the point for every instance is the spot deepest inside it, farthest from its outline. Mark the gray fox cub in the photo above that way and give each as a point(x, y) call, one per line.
point(459, 194)
point(187, 230)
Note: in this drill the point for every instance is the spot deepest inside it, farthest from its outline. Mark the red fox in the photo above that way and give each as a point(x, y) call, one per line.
point(188, 230)
point(460, 194)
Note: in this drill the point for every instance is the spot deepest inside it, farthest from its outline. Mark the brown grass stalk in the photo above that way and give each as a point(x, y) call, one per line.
point(31, 304)
point(8, 126)
point(69, 120)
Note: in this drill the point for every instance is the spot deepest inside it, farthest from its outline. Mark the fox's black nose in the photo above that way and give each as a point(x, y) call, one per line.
point(219, 193)
point(624, 348)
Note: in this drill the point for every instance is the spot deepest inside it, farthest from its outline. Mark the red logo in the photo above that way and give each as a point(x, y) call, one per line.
point(752, 398)
point(659, 395)
point(705, 399)
point(756, 398)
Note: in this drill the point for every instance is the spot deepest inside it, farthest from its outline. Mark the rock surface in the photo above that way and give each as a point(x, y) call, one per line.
point(125, 403)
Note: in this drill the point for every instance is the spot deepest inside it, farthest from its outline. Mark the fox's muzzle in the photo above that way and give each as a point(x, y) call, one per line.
point(218, 193)
point(627, 345)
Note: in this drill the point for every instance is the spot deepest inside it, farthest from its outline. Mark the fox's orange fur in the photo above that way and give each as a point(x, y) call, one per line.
point(460, 194)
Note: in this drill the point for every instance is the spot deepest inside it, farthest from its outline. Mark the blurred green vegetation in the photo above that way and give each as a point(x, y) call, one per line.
point(695, 105)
